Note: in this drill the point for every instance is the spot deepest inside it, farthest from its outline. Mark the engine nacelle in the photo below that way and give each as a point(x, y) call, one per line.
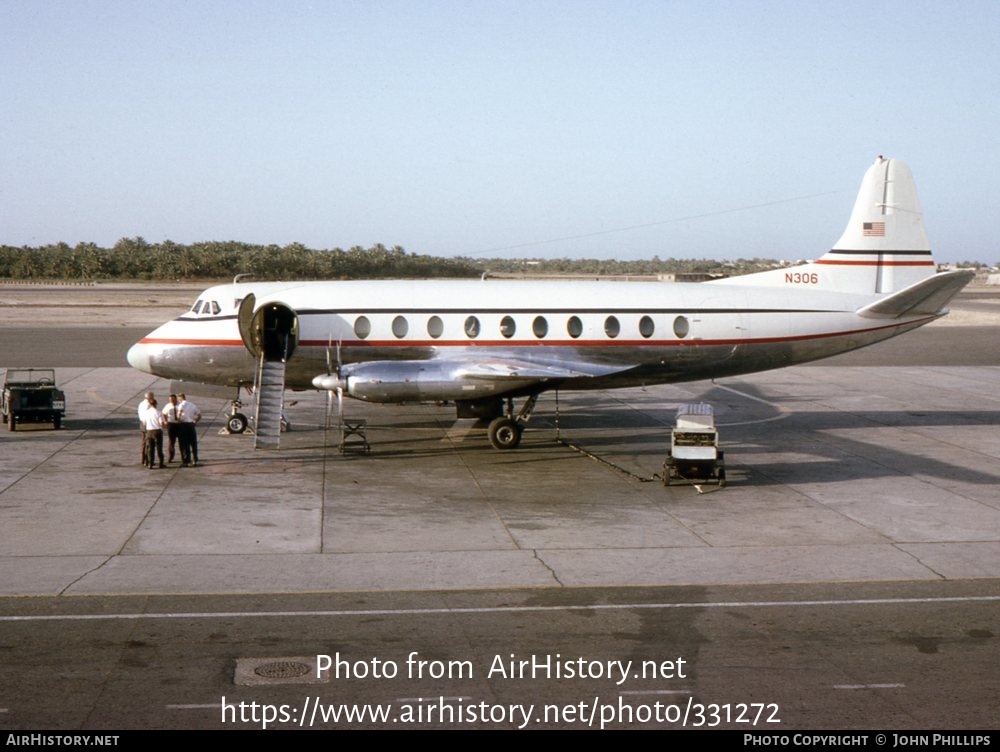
point(405, 381)
point(415, 381)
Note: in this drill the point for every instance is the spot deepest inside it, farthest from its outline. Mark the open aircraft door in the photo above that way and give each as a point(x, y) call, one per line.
point(272, 330)
point(244, 319)
point(270, 334)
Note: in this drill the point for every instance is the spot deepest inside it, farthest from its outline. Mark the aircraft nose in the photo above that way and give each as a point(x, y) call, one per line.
point(138, 357)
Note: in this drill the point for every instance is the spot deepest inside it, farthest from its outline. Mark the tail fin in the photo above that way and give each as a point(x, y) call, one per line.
point(884, 247)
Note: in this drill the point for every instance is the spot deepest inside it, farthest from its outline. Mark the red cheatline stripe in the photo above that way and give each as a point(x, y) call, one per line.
point(206, 342)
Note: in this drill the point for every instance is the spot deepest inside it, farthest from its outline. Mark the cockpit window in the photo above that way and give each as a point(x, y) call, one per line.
point(207, 307)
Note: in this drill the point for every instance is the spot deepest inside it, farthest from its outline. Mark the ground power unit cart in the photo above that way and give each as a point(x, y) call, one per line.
point(694, 448)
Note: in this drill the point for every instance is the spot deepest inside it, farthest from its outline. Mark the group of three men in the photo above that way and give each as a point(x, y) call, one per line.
point(180, 418)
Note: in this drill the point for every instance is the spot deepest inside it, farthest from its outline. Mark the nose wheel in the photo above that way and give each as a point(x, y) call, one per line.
point(236, 422)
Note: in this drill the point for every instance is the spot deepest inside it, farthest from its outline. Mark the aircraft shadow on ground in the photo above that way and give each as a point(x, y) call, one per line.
point(825, 435)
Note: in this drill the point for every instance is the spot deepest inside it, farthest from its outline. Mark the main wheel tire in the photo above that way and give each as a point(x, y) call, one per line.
point(57, 422)
point(237, 423)
point(504, 433)
point(11, 422)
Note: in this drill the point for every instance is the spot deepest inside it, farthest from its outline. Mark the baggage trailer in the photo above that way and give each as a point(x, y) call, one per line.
point(694, 448)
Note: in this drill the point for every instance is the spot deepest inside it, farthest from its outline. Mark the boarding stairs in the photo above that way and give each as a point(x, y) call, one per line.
point(270, 403)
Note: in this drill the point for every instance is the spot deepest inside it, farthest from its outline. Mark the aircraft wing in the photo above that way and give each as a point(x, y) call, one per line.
point(501, 368)
point(461, 377)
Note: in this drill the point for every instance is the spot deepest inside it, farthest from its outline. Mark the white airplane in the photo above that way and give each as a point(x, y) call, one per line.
point(483, 343)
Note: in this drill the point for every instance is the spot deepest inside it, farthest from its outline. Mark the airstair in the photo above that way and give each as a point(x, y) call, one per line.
point(270, 402)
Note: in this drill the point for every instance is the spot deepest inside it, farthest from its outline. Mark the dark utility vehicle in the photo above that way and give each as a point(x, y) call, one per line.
point(30, 395)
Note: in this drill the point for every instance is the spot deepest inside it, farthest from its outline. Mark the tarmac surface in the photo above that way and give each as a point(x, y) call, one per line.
point(838, 471)
point(850, 481)
point(835, 474)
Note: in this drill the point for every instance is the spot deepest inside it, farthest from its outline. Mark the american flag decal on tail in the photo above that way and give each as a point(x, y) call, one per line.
point(873, 229)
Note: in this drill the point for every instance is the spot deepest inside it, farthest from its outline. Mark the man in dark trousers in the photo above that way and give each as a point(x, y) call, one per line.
point(171, 419)
point(141, 412)
point(188, 416)
point(152, 418)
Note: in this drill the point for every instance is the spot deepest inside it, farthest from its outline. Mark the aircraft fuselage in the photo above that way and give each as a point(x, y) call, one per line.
point(639, 332)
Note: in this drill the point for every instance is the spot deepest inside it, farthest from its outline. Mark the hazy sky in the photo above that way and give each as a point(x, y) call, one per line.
point(716, 129)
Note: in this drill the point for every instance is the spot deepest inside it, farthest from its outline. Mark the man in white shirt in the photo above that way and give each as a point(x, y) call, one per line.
point(153, 421)
point(172, 419)
point(188, 416)
point(141, 412)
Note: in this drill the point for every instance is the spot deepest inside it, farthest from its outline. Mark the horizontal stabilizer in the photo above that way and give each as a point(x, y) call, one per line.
point(929, 297)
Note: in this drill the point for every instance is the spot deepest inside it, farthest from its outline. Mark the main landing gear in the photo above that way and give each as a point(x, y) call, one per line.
point(505, 431)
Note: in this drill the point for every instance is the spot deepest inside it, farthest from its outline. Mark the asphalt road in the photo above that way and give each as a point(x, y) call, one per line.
point(872, 656)
point(71, 347)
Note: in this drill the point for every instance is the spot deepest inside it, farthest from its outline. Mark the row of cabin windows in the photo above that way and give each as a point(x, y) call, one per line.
point(508, 327)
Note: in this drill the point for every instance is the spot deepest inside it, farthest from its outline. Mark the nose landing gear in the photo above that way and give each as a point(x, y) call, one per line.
point(237, 422)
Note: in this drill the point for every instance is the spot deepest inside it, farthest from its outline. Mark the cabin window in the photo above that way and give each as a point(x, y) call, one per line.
point(540, 327)
point(507, 326)
point(362, 327)
point(574, 326)
point(681, 327)
point(472, 327)
point(612, 327)
point(435, 326)
point(646, 327)
point(400, 326)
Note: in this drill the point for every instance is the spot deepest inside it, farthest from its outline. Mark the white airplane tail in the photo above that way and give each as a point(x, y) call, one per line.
point(884, 248)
